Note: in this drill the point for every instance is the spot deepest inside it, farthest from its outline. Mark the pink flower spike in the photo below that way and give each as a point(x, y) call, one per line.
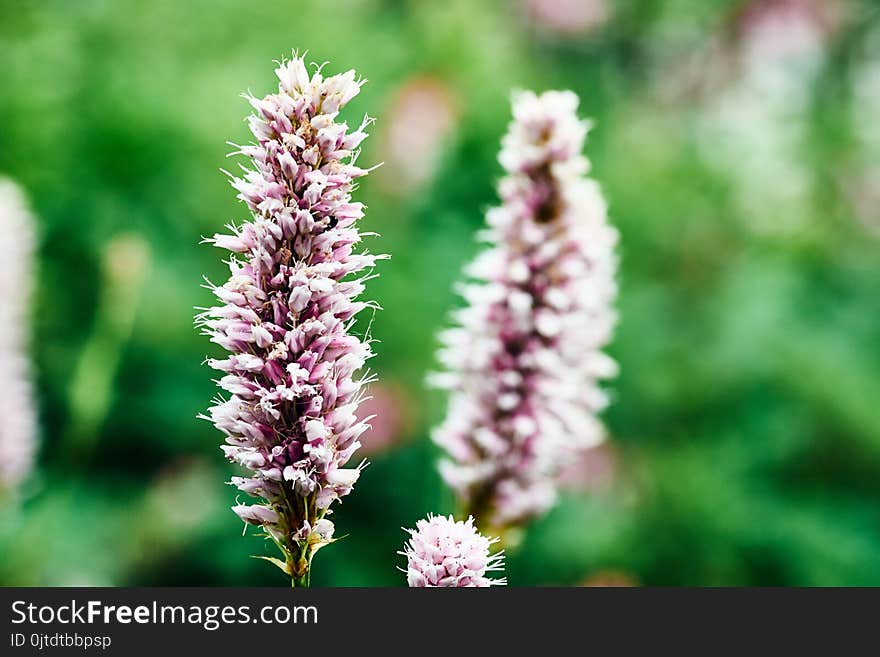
point(286, 316)
point(523, 364)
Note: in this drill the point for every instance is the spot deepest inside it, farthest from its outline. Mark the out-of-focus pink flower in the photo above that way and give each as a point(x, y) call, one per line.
point(392, 416)
point(524, 363)
point(422, 114)
point(18, 427)
point(862, 184)
point(568, 16)
point(443, 552)
point(755, 127)
point(590, 470)
point(863, 191)
point(782, 29)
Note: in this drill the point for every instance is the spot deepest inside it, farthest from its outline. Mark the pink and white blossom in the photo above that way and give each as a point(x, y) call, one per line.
point(287, 312)
point(443, 552)
point(524, 362)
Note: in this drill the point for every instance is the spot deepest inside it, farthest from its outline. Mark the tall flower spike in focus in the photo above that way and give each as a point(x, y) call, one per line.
point(287, 314)
point(524, 362)
point(19, 426)
point(443, 552)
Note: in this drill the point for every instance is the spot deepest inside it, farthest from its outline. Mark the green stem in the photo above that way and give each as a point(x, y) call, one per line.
point(300, 569)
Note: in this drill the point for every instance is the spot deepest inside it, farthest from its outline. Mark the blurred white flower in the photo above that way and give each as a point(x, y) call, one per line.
point(863, 186)
point(754, 130)
point(786, 29)
point(19, 425)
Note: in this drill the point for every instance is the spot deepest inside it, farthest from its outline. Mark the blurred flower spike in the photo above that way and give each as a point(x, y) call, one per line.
point(524, 362)
point(18, 430)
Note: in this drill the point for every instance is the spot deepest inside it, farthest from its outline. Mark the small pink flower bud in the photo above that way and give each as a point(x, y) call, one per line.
point(443, 552)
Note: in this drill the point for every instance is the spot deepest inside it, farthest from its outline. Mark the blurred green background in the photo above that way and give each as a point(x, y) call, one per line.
point(739, 149)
